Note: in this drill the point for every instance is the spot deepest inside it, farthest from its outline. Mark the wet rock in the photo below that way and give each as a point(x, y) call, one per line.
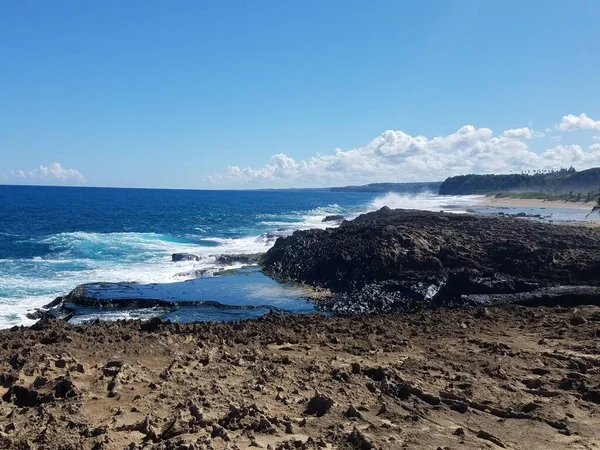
point(242, 258)
point(333, 218)
point(175, 257)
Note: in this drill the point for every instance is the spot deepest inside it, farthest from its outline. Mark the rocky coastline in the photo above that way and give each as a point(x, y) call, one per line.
point(403, 260)
point(448, 331)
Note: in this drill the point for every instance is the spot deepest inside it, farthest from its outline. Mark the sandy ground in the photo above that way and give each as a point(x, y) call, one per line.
point(534, 203)
point(509, 377)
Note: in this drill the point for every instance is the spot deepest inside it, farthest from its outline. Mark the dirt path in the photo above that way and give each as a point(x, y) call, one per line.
point(508, 377)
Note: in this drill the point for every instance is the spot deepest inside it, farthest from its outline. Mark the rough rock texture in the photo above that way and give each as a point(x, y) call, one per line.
point(403, 260)
point(512, 377)
point(175, 257)
point(242, 258)
point(333, 218)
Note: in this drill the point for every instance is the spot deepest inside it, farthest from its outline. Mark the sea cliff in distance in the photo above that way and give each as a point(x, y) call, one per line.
point(563, 181)
point(403, 188)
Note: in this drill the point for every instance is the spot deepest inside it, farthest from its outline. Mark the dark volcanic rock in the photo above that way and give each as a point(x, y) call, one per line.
point(394, 260)
point(243, 258)
point(184, 257)
point(333, 218)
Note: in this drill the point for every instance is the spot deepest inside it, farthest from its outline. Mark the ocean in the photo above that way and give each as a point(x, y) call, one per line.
point(55, 238)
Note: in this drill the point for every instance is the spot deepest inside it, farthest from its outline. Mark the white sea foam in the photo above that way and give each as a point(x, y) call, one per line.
point(426, 202)
point(82, 257)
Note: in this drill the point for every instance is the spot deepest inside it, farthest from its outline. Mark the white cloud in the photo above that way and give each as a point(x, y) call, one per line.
point(581, 122)
point(522, 133)
point(398, 156)
point(54, 173)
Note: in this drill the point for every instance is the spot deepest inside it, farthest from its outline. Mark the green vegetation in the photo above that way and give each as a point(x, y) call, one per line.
point(557, 182)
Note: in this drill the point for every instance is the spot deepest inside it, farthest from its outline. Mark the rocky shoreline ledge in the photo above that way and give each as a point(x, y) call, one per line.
point(398, 261)
point(404, 260)
point(451, 371)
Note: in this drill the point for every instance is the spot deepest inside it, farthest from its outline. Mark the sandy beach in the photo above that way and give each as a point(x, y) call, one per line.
point(533, 203)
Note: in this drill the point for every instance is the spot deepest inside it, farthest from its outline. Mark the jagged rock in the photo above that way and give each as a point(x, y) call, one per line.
point(404, 260)
point(577, 320)
point(65, 388)
point(242, 258)
point(24, 397)
point(7, 379)
point(352, 412)
point(359, 441)
point(489, 437)
point(175, 257)
point(318, 405)
point(333, 218)
point(152, 325)
point(174, 428)
point(112, 368)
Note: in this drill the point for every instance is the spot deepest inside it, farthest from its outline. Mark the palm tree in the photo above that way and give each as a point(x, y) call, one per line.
point(595, 209)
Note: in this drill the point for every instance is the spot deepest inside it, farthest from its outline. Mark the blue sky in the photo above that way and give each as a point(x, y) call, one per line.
point(192, 94)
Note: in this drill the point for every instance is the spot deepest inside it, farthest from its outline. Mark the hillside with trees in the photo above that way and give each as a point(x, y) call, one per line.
point(556, 182)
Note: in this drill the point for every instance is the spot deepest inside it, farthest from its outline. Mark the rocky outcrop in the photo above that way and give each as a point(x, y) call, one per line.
point(333, 218)
point(393, 260)
point(176, 257)
point(240, 258)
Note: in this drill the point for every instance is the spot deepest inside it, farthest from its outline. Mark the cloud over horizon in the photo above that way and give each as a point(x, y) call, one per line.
point(571, 122)
point(54, 174)
point(397, 156)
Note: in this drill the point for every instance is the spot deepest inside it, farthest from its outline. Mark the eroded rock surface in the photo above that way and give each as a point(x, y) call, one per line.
point(402, 260)
point(507, 376)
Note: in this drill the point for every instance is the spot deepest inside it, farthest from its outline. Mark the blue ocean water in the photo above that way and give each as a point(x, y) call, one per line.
point(54, 238)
